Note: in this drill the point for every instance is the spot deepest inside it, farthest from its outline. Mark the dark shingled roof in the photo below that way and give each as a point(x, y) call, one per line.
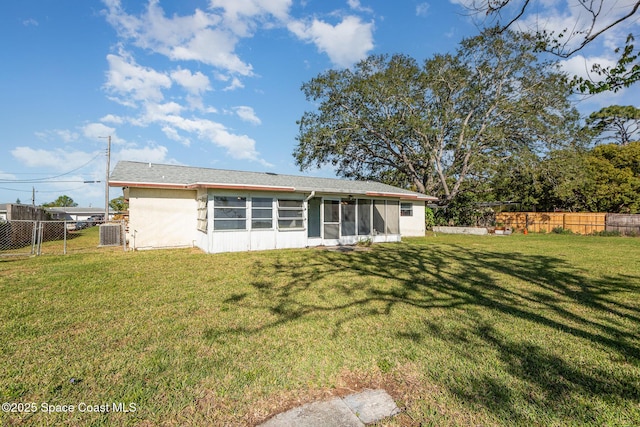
point(134, 174)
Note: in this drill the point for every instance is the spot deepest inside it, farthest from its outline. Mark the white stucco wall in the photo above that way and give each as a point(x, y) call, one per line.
point(411, 226)
point(160, 218)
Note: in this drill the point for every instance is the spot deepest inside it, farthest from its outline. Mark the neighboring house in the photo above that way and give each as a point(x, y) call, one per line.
point(3, 211)
point(76, 213)
point(224, 211)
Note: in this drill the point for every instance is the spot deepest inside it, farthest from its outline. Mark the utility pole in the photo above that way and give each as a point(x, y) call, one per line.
point(33, 196)
point(106, 182)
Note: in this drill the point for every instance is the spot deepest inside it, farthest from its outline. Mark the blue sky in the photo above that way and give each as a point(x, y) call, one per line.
point(203, 83)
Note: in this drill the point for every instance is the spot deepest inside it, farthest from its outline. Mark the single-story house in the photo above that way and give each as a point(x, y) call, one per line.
point(224, 210)
point(75, 213)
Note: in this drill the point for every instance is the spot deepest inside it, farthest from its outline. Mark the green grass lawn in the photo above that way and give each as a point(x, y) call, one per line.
point(460, 330)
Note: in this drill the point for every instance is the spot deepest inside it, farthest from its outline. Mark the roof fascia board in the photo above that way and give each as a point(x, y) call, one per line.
point(400, 195)
point(207, 185)
point(241, 187)
point(197, 185)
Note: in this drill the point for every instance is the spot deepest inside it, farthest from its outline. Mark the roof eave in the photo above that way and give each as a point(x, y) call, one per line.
point(253, 187)
point(197, 185)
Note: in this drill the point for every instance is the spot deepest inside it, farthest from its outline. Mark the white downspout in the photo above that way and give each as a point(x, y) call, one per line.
point(313, 193)
point(306, 214)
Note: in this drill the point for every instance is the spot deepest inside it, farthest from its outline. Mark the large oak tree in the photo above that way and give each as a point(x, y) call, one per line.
point(432, 126)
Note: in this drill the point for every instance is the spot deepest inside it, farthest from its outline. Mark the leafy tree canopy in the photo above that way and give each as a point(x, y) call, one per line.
point(432, 127)
point(618, 123)
point(604, 179)
point(119, 204)
point(602, 16)
point(62, 201)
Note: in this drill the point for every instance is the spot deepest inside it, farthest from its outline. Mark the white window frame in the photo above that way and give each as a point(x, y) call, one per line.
point(223, 219)
point(203, 213)
point(262, 208)
point(282, 218)
point(406, 209)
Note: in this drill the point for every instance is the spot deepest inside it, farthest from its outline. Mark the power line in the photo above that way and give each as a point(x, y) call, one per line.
point(13, 189)
point(47, 179)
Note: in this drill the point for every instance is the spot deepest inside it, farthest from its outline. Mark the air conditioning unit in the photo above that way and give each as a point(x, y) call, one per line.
point(110, 234)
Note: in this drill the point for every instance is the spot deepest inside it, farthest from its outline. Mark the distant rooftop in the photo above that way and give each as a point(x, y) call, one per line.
point(78, 210)
point(138, 174)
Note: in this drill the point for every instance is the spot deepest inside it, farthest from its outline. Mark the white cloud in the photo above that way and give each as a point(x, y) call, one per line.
point(58, 134)
point(111, 118)
point(98, 130)
point(243, 16)
point(30, 22)
point(153, 154)
point(198, 37)
point(8, 176)
point(173, 134)
point(422, 9)
point(57, 159)
point(345, 43)
point(247, 114)
point(237, 146)
point(580, 66)
point(133, 82)
point(155, 113)
point(168, 117)
point(235, 84)
point(194, 83)
point(355, 5)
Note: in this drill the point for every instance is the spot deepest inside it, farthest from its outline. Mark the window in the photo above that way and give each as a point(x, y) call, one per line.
point(406, 209)
point(290, 214)
point(261, 212)
point(202, 213)
point(229, 213)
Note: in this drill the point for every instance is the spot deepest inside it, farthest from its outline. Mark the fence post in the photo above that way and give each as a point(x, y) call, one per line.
point(123, 234)
point(33, 237)
point(39, 252)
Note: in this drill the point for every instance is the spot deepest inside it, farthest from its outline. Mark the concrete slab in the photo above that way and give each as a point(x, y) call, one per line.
point(371, 405)
point(478, 231)
point(330, 413)
point(354, 410)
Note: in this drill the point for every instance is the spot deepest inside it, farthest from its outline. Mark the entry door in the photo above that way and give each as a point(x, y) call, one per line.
point(331, 225)
point(314, 222)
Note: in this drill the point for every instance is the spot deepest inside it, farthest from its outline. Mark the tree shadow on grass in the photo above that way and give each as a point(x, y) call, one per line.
point(542, 290)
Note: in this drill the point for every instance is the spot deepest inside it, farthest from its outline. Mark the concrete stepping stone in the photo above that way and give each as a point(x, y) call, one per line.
point(371, 405)
point(354, 410)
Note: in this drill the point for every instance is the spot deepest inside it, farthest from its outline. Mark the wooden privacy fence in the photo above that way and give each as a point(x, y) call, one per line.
point(544, 222)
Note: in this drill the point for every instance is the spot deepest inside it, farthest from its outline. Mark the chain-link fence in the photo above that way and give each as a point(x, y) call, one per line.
point(59, 237)
point(18, 238)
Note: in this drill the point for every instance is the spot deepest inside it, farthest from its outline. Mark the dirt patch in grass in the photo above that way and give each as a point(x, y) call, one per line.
point(345, 248)
point(404, 384)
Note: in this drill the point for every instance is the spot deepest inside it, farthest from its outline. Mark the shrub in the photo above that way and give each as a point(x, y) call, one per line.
point(429, 218)
point(607, 233)
point(560, 230)
point(366, 242)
